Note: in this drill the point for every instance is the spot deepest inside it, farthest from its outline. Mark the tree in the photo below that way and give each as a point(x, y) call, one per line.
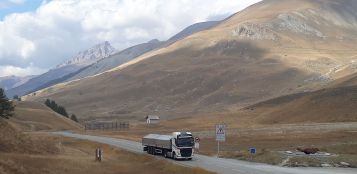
point(57, 108)
point(74, 118)
point(54, 106)
point(61, 110)
point(48, 103)
point(6, 106)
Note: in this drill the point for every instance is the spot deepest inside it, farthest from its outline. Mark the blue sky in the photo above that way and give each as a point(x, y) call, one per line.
point(17, 6)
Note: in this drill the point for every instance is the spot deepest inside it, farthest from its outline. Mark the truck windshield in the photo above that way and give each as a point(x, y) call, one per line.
point(185, 142)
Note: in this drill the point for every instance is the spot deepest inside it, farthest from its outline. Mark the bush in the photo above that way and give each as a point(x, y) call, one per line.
point(16, 97)
point(74, 118)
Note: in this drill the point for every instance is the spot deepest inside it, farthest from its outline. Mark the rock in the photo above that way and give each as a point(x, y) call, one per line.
point(344, 164)
point(308, 150)
point(254, 32)
point(326, 165)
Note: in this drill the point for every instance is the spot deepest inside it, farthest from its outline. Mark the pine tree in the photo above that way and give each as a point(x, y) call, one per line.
point(74, 118)
point(48, 103)
point(53, 106)
point(6, 107)
point(61, 110)
point(57, 108)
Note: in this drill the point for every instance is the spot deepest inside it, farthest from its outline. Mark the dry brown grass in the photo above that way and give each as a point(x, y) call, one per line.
point(33, 116)
point(11, 140)
point(343, 144)
point(214, 71)
point(41, 153)
point(77, 156)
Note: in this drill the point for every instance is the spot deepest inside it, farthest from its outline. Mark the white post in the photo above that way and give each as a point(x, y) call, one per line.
point(218, 149)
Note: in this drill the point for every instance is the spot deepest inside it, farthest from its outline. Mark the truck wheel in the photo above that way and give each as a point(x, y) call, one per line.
point(148, 150)
point(174, 156)
point(165, 154)
point(151, 151)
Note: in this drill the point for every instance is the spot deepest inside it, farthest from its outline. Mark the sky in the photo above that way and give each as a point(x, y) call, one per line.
point(37, 35)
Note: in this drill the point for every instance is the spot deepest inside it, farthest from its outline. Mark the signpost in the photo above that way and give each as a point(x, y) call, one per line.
point(220, 135)
point(197, 143)
point(98, 154)
point(252, 151)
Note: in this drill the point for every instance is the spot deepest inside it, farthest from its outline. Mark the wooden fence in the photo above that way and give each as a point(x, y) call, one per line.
point(114, 125)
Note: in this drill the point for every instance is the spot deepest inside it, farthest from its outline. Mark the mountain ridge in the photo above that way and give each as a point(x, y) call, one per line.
point(132, 52)
point(9, 82)
point(229, 66)
point(74, 64)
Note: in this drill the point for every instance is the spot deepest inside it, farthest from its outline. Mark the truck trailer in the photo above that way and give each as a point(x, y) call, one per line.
point(179, 145)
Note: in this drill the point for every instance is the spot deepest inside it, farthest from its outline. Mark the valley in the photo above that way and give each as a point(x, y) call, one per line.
point(281, 75)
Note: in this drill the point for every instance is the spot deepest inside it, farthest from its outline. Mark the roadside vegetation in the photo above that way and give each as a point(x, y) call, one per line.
point(6, 106)
point(60, 109)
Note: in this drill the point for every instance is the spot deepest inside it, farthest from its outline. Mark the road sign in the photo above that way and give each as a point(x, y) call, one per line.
point(252, 151)
point(197, 139)
point(220, 132)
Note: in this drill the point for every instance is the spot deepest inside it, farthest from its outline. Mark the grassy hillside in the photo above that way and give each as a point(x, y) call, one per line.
point(327, 105)
point(33, 116)
point(270, 49)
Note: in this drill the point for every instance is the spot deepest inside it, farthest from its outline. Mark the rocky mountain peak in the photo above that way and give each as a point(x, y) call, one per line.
point(90, 55)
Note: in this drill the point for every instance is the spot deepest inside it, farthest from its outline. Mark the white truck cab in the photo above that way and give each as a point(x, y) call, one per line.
point(179, 145)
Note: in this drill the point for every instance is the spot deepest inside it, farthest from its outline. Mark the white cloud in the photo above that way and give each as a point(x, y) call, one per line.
point(60, 28)
point(12, 70)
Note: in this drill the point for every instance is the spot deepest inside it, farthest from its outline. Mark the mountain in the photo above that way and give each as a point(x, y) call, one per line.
point(135, 51)
point(270, 49)
point(191, 30)
point(9, 82)
point(82, 59)
point(115, 60)
point(99, 59)
point(90, 56)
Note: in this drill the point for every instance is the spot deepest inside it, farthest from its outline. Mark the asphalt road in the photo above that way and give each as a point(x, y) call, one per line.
point(219, 165)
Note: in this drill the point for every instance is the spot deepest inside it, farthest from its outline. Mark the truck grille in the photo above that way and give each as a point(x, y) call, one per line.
point(186, 152)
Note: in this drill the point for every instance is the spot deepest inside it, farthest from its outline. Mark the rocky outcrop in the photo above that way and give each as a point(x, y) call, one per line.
point(292, 23)
point(254, 32)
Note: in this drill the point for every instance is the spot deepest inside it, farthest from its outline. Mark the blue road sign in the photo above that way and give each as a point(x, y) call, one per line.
point(252, 151)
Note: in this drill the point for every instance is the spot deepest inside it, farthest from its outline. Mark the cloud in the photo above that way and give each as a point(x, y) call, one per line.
point(59, 29)
point(18, 71)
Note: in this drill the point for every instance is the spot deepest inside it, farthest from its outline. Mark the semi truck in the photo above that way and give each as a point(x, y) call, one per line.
point(179, 145)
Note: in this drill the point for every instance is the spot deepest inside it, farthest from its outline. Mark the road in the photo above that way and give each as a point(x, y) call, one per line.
point(219, 165)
